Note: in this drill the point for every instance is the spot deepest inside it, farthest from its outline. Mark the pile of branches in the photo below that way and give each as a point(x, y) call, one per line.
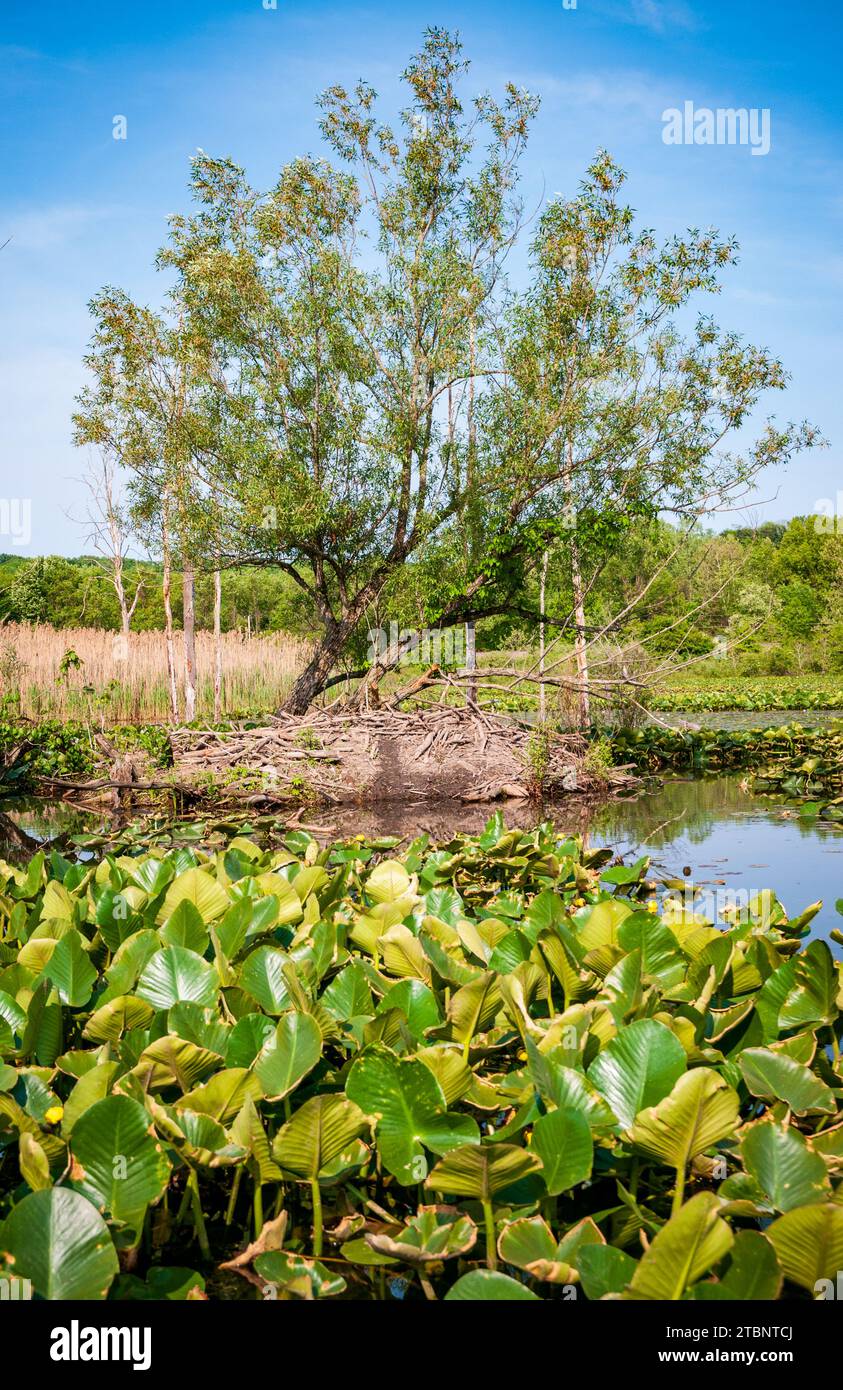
point(388, 755)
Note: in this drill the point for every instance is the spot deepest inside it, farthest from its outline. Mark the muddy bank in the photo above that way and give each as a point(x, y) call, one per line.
point(388, 756)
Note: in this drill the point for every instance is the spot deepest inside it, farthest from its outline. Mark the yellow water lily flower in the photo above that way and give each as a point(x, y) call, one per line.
point(652, 905)
point(54, 1114)
point(579, 902)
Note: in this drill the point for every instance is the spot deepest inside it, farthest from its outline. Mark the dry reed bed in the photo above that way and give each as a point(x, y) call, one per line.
point(257, 672)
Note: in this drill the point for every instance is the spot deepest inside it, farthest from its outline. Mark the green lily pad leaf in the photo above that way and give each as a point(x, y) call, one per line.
point(14, 1017)
point(809, 1244)
point(812, 1000)
point(95, 1085)
point(597, 925)
point(248, 1038)
point(200, 1138)
point(638, 1068)
point(170, 1061)
point(185, 927)
point(700, 1111)
point(262, 976)
point(319, 1132)
point(118, 1165)
point(152, 875)
point(33, 1161)
point(454, 1076)
point(489, 1286)
point(388, 882)
point(349, 996)
point(753, 1273)
point(8, 1077)
point(289, 1055)
point(359, 1252)
point(58, 1239)
point(199, 1025)
point(197, 887)
point(174, 974)
point(778, 1077)
point(417, 1003)
point(784, 1166)
point(119, 1016)
point(472, 1008)
point(70, 970)
point(528, 1243)
point(248, 1130)
point(568, 1089)
point(692, 1242)
point(434, 1233)
point(223, 1096)
point(481, 1170)
point(129, 961)
point(604, 1270)
point(298, 1275)
point(661, 956)
point(287, 903)
point(563, 1142)
point(409, 1106)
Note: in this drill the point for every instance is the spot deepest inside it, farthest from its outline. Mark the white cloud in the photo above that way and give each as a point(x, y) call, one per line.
point(659, 16)
point(627, 92)
point(43, 229)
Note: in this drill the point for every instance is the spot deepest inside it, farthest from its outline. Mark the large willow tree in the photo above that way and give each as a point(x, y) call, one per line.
point(345, 382)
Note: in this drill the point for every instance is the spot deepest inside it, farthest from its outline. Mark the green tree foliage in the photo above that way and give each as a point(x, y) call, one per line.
point(345, 385)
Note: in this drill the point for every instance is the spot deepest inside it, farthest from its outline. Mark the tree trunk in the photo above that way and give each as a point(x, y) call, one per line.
point(120, 591)
point(471, 663)
point(578, 592)
point(580, 650)
point(470, 631)
point(311, 681)
point(189, 635)
point(217, 647)
point(542, 593)
point(168, 618)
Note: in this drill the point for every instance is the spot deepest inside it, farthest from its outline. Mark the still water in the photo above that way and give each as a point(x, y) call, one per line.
point(731, 720)
point(730, 839)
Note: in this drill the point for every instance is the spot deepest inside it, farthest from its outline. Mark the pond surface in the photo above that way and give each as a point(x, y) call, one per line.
point(733, 842)
point(734, 719)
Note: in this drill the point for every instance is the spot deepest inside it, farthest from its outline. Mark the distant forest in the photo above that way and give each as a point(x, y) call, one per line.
point(773, 594)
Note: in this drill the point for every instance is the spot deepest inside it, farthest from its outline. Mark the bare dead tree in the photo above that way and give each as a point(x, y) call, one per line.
point(110, 535)
point(217, 645)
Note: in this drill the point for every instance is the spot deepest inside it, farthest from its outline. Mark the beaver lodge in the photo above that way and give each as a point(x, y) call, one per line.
point(382, 755)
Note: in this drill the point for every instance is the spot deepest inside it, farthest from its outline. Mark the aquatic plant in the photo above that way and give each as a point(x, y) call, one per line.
point(496, 1068)
point(790, 761)
point(738, 692)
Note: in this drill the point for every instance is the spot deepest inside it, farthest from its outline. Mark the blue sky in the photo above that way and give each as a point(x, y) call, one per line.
point(234, 77)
